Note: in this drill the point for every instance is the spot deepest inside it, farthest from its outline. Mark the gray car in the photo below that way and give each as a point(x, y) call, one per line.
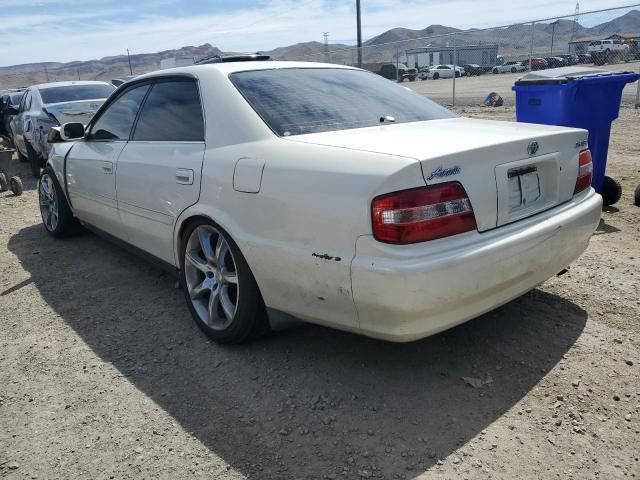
point(50, 105)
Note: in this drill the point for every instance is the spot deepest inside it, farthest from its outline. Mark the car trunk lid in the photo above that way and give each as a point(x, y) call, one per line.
point(509, 170)
point(78, 111)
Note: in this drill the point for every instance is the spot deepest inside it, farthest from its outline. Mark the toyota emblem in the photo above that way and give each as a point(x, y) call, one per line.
point(532, 148)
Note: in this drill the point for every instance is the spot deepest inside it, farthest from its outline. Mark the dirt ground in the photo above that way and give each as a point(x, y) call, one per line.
point(104, 375)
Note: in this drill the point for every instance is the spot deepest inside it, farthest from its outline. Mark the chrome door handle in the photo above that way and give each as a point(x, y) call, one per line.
point(184, 176)
point(107, 168)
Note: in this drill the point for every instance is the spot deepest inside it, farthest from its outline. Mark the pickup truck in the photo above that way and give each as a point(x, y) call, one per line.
point(388, 70)
point(607, 46)
point(603, 51)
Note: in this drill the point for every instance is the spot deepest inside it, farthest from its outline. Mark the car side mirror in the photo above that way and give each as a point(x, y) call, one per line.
point(71, 131)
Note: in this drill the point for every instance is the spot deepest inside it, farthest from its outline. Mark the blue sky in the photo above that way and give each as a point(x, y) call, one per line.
point(64, 30)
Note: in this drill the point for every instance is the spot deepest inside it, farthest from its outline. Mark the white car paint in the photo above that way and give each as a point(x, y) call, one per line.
point(441, 71)
point(509, 67)
point(299, 208)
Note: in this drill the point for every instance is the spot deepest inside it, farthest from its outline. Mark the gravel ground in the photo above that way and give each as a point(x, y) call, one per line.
point(103, 374)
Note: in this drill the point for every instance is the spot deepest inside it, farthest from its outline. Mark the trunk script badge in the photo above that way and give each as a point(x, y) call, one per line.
point(444, 172)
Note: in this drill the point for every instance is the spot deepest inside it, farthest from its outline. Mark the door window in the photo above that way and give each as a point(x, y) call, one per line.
point(171, 113)
point(116, 121)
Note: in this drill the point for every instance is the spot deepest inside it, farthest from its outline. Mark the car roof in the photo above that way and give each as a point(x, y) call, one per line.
point(68, 84)
point(233, 67)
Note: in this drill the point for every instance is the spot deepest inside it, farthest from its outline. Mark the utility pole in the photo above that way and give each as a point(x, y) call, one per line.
point(46, 73)
point(129, 57)
point(553, 33)
point(326, 46)
point(359, 26)
point(78, 71)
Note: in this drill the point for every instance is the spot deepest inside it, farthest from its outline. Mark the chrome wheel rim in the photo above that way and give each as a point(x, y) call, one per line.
point(211, 277)
point(48, 202)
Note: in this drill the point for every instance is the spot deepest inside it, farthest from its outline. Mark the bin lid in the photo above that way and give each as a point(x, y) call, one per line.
point(553, 76)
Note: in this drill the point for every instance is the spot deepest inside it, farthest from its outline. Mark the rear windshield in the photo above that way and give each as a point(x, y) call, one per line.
point(71, 93)
point(297, 101)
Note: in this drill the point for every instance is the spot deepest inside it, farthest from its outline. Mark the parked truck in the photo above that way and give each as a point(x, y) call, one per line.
point(398, 71)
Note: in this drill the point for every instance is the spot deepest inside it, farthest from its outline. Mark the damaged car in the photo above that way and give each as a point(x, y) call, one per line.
point(322, 193)
point(51, 105)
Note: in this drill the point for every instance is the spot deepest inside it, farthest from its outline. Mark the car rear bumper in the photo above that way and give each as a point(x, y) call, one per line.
point(404, 293)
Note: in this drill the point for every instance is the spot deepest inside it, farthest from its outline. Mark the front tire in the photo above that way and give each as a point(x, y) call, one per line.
point(220, 290)
point(636, 197)
point(436, 76)
point(35, 161)
point(54, 209)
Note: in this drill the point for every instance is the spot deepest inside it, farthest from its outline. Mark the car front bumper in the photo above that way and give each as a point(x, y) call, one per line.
point(404, 293)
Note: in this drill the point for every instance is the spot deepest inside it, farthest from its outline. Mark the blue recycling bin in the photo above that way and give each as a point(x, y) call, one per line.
point(579, 97)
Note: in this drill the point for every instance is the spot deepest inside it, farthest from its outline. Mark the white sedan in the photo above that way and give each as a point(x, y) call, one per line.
point(512, 67)
point(441, 71)
point(324, 193)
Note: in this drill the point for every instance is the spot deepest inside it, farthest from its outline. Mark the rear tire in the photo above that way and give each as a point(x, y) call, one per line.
point(4, 186)
point(513, 70)
point(611, 191)
point(56, 215)
point(220, 290)
point(436, 76)
point(636, 197)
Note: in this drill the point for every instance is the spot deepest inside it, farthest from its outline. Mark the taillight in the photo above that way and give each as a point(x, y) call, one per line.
point(422, 214)
point(585, 171)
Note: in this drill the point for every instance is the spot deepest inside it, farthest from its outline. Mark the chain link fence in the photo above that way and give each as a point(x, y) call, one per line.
point(462, 67)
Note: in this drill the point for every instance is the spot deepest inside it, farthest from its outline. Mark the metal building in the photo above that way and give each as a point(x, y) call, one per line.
point(483, 55)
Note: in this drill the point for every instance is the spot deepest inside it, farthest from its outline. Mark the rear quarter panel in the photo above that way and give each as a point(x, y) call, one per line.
point(298, 233)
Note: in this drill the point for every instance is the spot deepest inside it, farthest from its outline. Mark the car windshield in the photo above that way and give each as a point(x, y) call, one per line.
point(72, 93)
point(311, 100)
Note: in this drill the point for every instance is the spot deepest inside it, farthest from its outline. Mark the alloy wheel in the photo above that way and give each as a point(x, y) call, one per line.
point(211, 277)
point(48, 202)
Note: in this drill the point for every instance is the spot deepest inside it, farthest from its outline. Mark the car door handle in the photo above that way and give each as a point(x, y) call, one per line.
point(107, 168)
point(184, 176)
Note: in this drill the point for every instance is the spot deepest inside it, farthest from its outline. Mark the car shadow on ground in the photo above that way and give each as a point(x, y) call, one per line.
point(309, 401)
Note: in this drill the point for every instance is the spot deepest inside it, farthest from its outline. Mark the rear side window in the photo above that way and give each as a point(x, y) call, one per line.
point(116, 121)
point(171, 113)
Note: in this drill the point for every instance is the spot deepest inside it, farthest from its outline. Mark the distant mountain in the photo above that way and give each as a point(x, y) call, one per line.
point(629, 22)
point(513, 42)
point(106, 68)
point(400, 34)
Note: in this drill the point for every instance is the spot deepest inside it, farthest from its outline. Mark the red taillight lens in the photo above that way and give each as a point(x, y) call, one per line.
point(422, 214)
point(585, 171)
